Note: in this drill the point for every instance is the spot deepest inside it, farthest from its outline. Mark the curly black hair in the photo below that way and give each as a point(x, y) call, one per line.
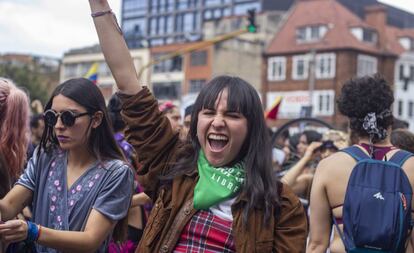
point(360, 96)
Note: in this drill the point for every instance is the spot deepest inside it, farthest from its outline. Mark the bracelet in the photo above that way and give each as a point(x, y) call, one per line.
point(100, 13)
point(32, 231)
point(40, 231)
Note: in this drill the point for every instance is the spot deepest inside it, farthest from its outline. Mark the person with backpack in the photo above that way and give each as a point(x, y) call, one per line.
point(363, 194)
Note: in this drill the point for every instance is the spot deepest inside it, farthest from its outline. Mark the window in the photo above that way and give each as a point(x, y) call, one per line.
point(325, 65)
point(400, 108)
point(226, 12)
point(188, 22)
point(182, 4)
point(407, 43)
point(367, 65)
point(365, 34)
point(153, 25)
point(320, 104)
point(323, 106)
point(198, 58)
point(170, 24)
point(135, 26)
point(196, 85)
point(155, 5)
point(276, 69)
point(370, 36)
point(212, 2)
point(300, 67)
point(208, 14)
point(157, 42)
point(179, 22)
point(328, 103)
point(170, 5)
point(170, 65)
point(167, 90)
point(410, 109)
point(217, 13)
point(70, 70)
point(133, 8)
point(241, 8)
point(310, 33)
point(193, 3)
point(401, 72)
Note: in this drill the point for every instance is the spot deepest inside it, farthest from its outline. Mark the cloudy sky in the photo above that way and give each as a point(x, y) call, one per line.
point(51, 27)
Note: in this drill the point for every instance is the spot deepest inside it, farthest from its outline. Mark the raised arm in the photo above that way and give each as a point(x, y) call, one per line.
point(291, 176)
point(114, 47)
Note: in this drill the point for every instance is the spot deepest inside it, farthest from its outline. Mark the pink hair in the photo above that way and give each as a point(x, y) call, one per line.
point(14, 126)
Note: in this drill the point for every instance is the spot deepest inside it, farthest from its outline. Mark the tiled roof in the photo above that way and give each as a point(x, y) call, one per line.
point(395, 34)
point(336, 17)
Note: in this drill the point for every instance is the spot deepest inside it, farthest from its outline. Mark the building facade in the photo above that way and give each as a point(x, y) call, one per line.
point(242, 55)
point(77, 62)
point(404, 76)
point(316, 52)
point(148, 23)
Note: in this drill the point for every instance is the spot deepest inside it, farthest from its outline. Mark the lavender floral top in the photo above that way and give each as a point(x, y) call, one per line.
point(106, 187)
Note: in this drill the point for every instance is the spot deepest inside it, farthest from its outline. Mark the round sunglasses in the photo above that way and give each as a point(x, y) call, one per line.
point(67, 117)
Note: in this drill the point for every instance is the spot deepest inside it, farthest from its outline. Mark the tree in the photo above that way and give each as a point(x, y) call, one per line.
point(29, 78)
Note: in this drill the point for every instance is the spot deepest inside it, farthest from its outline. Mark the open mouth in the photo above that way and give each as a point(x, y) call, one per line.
point(217, 142)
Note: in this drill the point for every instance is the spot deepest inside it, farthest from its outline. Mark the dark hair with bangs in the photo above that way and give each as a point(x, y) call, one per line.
point(260, 186)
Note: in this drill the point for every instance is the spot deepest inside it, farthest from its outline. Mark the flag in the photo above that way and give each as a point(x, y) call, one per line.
point(93, 73)
point(273, 111)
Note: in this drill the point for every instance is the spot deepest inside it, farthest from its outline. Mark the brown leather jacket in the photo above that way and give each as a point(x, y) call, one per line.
point(149, 132)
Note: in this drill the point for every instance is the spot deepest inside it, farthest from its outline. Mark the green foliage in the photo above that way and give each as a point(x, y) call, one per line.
point(28, 78)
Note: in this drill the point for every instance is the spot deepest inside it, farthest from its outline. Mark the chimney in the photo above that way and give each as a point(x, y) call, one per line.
point(376, 16)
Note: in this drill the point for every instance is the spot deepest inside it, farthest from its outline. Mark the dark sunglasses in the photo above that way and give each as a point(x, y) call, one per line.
point(67, 117)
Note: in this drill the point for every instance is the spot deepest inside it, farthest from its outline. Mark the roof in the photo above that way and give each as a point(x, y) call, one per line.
point(395, 34)
point(338, 19)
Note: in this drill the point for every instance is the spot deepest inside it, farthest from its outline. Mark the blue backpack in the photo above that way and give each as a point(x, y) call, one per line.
point(376, 212)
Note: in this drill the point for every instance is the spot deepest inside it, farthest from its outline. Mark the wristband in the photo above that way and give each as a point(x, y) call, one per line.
point(32, 231)
point(39, 228)
point(100, 13)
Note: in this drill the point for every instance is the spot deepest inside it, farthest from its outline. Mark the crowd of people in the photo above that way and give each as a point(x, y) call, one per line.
point(136, 176)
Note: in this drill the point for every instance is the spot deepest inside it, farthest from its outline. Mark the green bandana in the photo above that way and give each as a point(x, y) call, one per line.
point(216, 184)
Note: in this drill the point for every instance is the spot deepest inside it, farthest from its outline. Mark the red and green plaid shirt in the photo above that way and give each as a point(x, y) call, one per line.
point(206, 232)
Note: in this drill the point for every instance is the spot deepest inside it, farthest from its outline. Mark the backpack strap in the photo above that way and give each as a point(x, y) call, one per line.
point(341, 234)
point(400, 157)
point(356, 153)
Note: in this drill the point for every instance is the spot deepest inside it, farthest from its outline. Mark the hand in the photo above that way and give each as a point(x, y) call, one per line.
point(311, 149)
point(13, 231)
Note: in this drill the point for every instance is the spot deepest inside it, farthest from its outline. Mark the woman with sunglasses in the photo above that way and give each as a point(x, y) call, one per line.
point(77, 183)
point(217, 192)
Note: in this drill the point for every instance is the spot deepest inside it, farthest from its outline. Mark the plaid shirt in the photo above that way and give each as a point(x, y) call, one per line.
point(206, 233)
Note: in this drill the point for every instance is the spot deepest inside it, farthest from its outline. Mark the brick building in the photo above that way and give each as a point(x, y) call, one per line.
point(316, 51)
